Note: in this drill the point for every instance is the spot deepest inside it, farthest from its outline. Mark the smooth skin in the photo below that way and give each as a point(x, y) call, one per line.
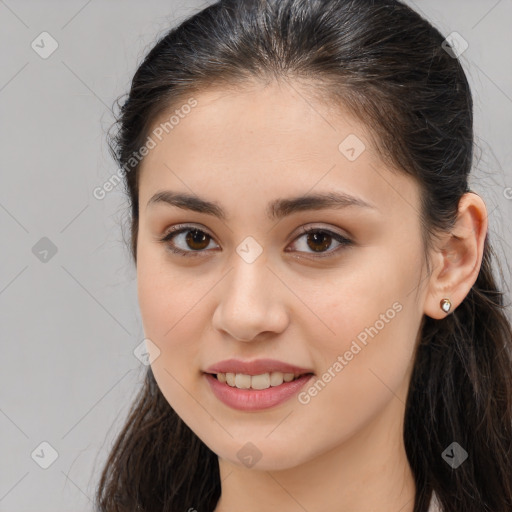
point(343, 450)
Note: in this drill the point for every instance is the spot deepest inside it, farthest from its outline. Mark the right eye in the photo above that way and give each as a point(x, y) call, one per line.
point(189, 236)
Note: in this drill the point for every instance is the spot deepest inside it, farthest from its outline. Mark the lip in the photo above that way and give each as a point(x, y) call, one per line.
point(256, 399)
point(255, 367)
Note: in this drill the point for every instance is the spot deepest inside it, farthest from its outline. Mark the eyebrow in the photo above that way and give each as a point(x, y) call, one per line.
point(276, 209)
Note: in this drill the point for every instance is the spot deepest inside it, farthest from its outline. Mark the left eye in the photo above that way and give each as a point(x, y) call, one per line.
point(316, 239)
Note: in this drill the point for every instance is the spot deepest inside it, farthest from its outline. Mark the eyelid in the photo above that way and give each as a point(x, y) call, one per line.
point(184, 227)
point(315, 227)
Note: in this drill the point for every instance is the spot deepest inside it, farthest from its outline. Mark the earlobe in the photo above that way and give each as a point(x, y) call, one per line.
point(458, 258)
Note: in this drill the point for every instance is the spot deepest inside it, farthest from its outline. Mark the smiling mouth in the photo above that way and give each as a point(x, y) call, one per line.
point(259, 382)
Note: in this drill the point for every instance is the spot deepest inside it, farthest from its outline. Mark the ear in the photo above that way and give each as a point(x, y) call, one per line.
point(458, 256)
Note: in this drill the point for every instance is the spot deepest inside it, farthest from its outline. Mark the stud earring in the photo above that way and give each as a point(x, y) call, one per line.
point(446, 305)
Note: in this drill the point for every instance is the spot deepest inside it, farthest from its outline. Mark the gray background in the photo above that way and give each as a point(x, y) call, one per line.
point(70, 324)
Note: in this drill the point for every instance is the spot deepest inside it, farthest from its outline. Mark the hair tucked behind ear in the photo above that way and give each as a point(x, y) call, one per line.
point(386, 64)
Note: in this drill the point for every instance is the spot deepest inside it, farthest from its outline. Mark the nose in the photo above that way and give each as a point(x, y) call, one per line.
point(251, 302)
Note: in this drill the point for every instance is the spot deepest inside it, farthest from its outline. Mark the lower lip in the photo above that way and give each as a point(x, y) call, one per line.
point(256, 399)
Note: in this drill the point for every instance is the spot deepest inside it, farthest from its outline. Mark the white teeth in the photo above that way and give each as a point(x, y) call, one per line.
point(262, 381)
point(242, 381)
point(230, 379)
point(276, 378)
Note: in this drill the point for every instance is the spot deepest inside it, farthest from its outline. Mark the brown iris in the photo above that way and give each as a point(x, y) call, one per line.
point(195, 236)
point(319, 237)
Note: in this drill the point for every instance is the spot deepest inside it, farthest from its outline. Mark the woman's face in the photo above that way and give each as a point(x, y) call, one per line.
point(252, 285)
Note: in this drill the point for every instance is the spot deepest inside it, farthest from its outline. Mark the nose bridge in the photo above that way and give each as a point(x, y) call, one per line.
point(250, 271)
point(248, 280)
point(249, 303)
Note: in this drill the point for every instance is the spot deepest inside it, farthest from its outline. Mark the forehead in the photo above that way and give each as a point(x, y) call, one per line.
point(269, 141)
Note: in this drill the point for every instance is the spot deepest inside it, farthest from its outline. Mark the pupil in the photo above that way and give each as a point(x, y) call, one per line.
point(196, 237)
point(319, 236)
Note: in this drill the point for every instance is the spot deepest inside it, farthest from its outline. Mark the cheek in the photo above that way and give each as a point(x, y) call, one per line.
point(363, 369)
point(167, 313)
point(369, 323)
point(156, 304)
point(164, 295)
point(170, 322)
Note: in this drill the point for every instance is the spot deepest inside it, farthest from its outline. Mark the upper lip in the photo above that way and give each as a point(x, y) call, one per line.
point(255, 367)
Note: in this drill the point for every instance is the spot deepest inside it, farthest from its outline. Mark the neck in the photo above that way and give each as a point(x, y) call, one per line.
point(369, 472)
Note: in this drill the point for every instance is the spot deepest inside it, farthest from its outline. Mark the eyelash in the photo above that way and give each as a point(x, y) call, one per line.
point(176, 230)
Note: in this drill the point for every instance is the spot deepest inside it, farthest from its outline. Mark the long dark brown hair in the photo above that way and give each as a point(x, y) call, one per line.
point(389, 66)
